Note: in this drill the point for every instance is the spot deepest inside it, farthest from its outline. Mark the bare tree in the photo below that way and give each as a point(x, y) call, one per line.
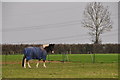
point(97, 20)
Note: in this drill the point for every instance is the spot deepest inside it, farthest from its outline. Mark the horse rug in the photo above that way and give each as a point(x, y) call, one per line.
point(35, 53)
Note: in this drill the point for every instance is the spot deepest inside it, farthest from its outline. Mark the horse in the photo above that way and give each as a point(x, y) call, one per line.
point(36, 53)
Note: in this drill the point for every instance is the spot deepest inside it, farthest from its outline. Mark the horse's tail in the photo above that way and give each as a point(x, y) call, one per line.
point(23, 60)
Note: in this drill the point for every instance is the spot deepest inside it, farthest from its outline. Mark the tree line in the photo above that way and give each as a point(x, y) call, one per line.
point(64, 48)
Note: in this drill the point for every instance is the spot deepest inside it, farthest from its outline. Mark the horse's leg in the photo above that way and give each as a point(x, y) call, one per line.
point(28, 64)
point(44, 64)
point(25, 63)
point(37, 63)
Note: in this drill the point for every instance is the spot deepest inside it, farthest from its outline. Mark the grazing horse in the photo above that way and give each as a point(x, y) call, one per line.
point(36, 53)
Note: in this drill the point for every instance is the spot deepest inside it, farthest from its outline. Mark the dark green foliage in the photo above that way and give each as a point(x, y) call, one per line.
point(65, 48)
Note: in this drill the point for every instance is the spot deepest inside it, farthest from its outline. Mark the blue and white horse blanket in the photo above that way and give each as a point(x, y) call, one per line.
point(35, 53)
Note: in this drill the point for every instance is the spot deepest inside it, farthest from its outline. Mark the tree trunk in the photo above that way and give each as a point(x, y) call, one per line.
point(96, 36)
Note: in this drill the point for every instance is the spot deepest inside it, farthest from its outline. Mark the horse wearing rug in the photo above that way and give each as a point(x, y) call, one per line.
point(36, 53)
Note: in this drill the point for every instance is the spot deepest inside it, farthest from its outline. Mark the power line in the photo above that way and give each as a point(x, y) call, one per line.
point(63, 24)
point(55, 25)
point(82, 36)
point(57, 38)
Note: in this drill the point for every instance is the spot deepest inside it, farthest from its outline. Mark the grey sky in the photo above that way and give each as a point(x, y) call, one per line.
point(0, 22)
point(51, 22)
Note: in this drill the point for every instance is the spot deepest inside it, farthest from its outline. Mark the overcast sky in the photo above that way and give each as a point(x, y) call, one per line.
point(51, 22)
point(0, 22)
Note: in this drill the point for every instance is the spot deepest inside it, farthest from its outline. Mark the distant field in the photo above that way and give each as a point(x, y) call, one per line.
point(79, 66)
point(83, 58)
point(86, 58)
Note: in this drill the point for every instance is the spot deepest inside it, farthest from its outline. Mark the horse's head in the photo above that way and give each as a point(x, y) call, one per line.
point(49, 48)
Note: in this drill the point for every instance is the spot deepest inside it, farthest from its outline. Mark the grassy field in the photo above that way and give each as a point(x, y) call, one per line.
point(79, 66)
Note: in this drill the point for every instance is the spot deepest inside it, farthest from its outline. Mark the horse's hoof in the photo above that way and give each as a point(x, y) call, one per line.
point(36, 66)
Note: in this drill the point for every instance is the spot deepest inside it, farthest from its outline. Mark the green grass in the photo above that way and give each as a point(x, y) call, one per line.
point(81, 66)
point(86, 58)
point(62, 70)
point(83, 58)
